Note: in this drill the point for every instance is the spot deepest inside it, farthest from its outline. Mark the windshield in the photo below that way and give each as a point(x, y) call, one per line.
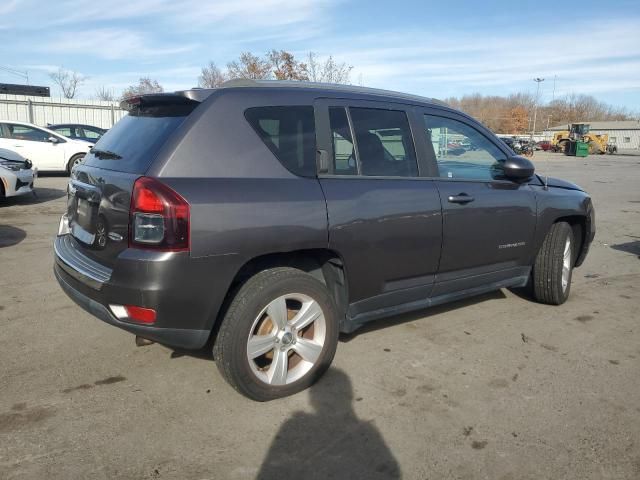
point(133, 143)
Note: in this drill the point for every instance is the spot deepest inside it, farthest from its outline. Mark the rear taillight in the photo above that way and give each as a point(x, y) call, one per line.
point(140, 314)
point(158, 217)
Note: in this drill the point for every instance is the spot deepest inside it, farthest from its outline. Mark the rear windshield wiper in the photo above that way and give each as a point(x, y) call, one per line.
point(106, 154)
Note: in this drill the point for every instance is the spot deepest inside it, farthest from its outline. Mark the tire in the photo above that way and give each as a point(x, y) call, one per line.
point(73, 161)
point(553, 267)
point(275, 369)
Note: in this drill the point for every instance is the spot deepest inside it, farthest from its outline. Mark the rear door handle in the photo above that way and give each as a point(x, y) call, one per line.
point(461, 198)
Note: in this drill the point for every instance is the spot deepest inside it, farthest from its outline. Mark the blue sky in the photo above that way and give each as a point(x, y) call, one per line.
point(434, 48)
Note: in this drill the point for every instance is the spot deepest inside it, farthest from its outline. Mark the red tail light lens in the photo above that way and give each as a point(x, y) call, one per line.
point(158, 217)
point(140, 314)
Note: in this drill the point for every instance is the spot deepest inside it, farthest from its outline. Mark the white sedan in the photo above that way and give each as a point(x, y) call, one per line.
point(46, 149)
point(17, 176)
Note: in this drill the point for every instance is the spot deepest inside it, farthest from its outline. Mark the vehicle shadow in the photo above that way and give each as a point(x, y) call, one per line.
point(629, 247)
point(331, 442)
point(205, 353)
point(10, 236)
point(425, 312)
point(42, 195)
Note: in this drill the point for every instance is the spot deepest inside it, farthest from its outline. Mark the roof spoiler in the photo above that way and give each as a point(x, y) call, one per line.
point(138, 102)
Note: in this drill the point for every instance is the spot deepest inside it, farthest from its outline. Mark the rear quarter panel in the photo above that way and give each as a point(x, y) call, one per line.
point(244, 203)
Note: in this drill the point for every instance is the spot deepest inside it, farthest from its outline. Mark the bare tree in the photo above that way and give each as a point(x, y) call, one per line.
point(328, 71)
point(67, 80)
point(286, 67)
point(144, 85)
point(249, 66)
point(105, 94)
point(211, 76)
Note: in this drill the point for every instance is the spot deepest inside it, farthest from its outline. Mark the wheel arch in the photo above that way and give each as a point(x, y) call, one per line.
point(325, 265)
point(71, 157)
point(578, 224)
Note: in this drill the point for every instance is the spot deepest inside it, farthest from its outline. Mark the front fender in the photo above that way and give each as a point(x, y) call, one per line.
point(554, 204)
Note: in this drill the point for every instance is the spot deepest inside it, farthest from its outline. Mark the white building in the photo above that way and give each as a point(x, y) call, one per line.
point(625, 134)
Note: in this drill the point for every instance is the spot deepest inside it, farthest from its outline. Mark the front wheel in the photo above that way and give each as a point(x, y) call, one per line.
point(278, 336)
point(554, 265)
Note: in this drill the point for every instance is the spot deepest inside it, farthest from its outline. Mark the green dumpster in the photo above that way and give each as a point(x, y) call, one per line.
point(582, 149)
point(578, 149)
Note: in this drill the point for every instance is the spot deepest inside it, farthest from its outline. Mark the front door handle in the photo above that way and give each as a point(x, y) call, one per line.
point(461, 198)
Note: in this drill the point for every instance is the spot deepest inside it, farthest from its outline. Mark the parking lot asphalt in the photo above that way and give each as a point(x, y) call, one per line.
point(494, 387)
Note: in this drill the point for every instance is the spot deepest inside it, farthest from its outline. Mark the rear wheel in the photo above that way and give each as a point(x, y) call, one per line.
point(278, 336)
point(73, 161)
point(554, 265)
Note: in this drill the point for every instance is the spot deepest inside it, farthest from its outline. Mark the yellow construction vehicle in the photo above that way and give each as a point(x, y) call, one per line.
point(563, 141)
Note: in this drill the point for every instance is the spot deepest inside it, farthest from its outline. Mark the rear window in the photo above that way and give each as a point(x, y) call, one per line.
point(289, 132)
point(136, 138)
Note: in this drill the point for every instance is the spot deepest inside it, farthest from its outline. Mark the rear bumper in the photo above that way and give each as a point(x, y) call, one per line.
point(185, 292)
point(175, 337)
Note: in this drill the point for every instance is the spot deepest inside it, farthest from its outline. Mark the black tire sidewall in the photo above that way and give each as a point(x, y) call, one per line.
point(549, 264)
point(248, 303)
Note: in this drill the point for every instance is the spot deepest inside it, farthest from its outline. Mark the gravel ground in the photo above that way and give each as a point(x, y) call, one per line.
point(495, 387)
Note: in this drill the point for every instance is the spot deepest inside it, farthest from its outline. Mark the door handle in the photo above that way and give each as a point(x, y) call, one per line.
point(461, 198)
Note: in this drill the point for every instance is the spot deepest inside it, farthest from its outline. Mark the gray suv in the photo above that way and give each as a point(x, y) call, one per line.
point(264, 218)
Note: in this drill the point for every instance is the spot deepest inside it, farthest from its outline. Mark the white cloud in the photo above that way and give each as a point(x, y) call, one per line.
point(8, 7)
point(185, 14)
point(462, 63)
point(110, 44)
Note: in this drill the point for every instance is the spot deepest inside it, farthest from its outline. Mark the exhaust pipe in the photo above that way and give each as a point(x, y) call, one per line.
point(142, 342)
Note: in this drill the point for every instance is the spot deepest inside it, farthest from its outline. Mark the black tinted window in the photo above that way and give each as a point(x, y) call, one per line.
point(384, 141)
point(289, 132)
point(136, 139)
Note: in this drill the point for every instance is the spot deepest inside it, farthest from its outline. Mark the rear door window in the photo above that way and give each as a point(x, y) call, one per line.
point(384, 142)
point(344, 157)
point(289, 132)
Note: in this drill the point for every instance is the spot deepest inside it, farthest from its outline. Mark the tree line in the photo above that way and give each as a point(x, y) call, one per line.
point(515, 113)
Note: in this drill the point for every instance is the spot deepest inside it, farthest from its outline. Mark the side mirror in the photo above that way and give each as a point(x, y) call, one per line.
point(518, 168)
point(53, 140)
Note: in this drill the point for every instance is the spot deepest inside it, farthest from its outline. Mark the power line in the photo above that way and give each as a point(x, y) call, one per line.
point(19, 73)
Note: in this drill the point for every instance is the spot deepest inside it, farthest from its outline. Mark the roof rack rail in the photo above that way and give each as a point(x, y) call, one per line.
point(247, 82)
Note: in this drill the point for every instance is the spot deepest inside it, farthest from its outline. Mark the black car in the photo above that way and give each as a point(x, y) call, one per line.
point(77, 131)
point(267, 217)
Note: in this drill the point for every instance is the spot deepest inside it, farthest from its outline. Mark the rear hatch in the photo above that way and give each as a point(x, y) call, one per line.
point(99, 192)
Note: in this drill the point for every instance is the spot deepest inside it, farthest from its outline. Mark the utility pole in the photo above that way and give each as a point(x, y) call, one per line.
point(535, 108)
point(553, 95)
